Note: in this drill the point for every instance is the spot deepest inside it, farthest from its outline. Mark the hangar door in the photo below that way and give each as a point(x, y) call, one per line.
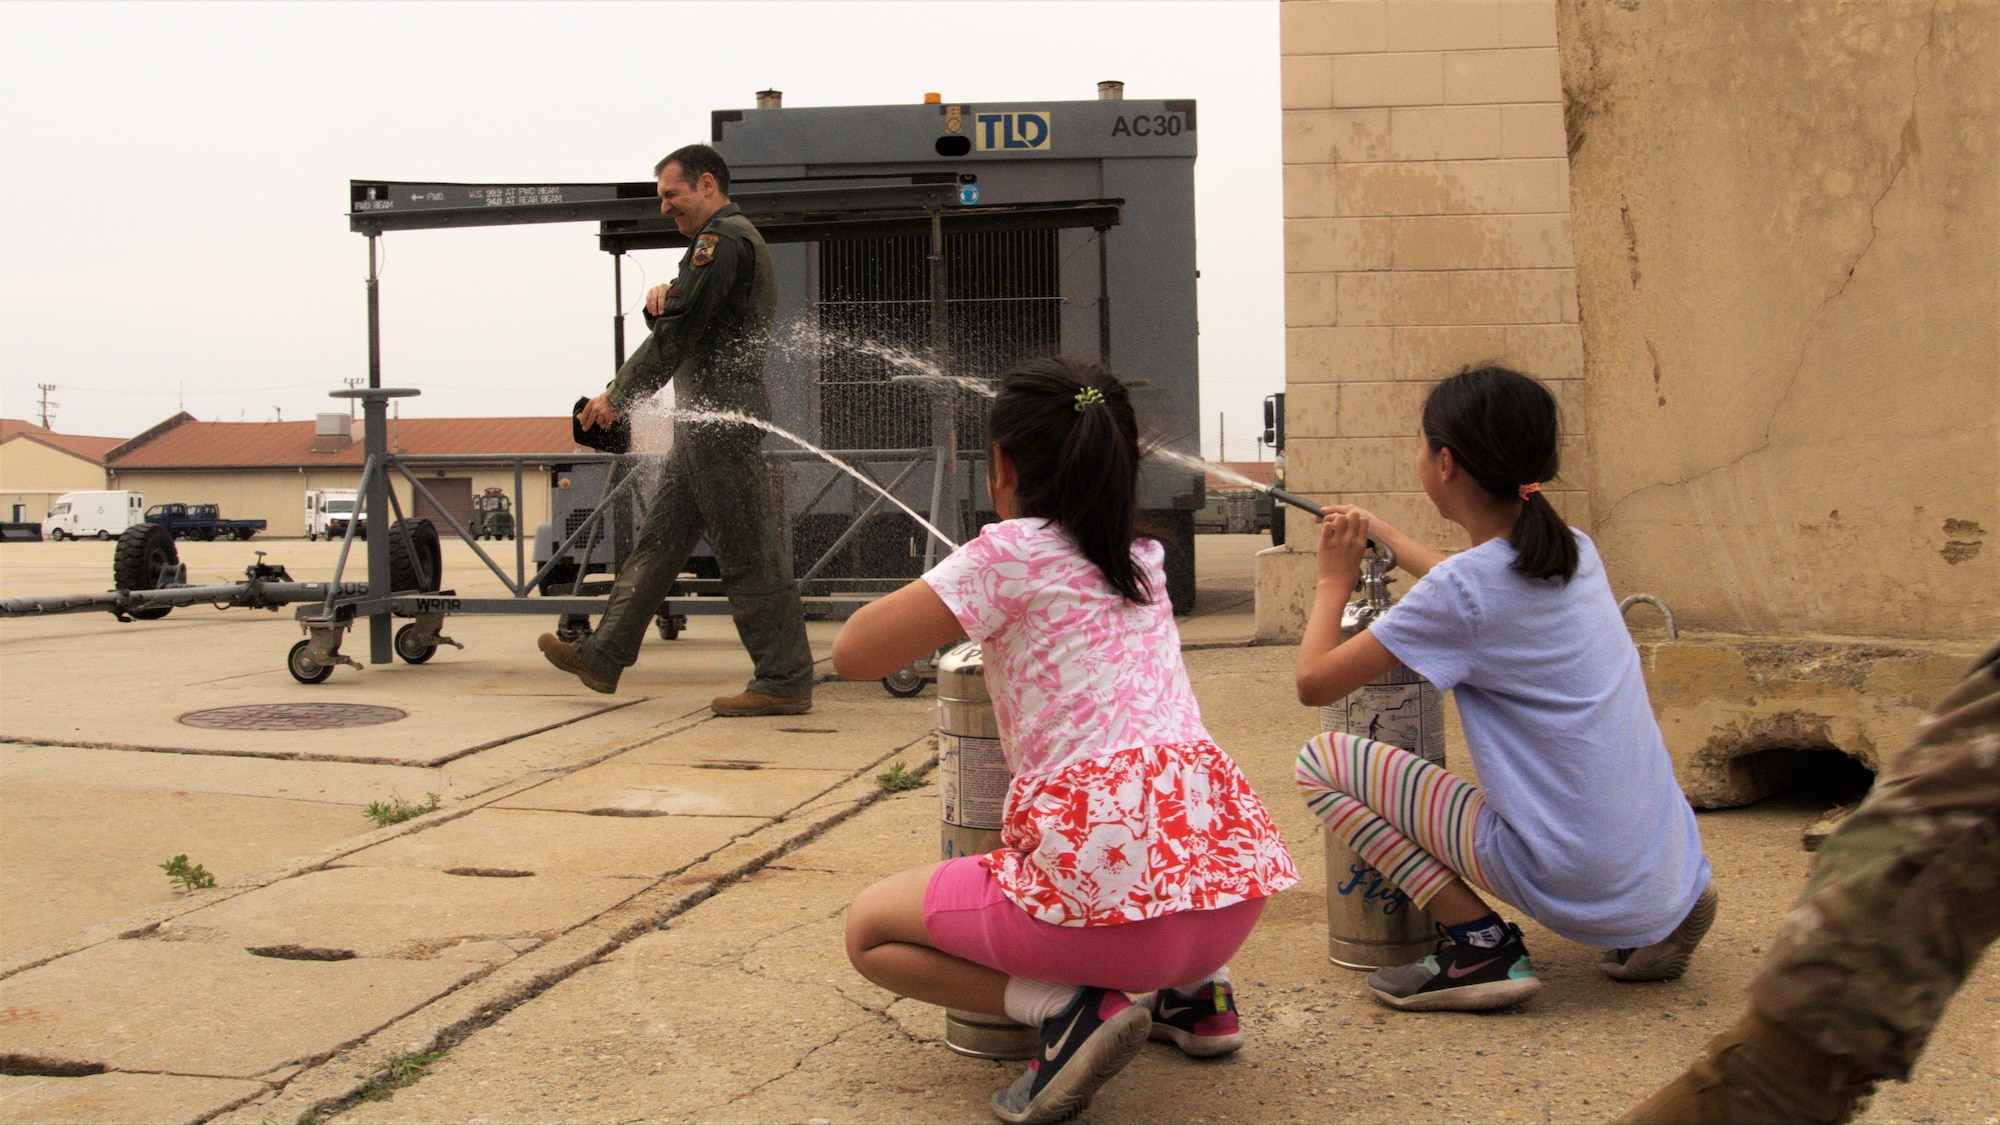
point(455, 493)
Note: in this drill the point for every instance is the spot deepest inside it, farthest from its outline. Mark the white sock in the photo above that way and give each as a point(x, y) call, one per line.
point(1190, 988)
point(1032, 1001)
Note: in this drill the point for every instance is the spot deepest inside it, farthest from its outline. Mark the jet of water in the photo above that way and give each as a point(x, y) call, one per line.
point(1200, 466)
point(780, 431)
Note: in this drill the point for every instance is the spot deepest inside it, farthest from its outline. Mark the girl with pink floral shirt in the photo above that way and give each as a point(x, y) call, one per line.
point(1136, 858)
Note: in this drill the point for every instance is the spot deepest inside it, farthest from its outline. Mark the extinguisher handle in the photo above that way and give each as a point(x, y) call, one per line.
point(1384, 552)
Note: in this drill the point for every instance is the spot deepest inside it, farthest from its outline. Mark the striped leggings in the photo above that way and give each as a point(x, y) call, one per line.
point(1409, 819)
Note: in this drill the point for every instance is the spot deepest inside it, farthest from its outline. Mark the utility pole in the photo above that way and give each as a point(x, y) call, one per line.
point(1221, 438)
point(46, 404)
point(351, 384)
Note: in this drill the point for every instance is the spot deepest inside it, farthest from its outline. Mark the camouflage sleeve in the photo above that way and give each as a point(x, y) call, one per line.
point(1903, 897)
point(692, 303)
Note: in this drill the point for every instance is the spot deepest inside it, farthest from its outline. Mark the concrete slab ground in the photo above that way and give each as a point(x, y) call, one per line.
point(688, 965)
point(744, 1009)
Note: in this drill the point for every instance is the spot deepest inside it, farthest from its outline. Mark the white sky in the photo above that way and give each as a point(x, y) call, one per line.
point(173, 212)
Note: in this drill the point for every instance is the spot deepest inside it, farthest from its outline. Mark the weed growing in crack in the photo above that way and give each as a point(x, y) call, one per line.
point(403, 1070)
point(396, 810)
point(898, 779)
point(187, 876)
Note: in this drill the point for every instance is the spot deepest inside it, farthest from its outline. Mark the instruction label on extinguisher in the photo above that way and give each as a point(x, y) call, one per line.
point(1400, 708)
point(973, 779)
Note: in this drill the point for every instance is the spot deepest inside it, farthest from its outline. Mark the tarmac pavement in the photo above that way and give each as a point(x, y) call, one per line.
point(626, 909)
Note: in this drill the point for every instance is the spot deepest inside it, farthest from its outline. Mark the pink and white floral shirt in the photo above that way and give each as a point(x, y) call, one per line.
point(1121, 808)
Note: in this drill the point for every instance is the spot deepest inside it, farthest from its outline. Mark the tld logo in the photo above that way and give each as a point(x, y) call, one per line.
point(1015, 132)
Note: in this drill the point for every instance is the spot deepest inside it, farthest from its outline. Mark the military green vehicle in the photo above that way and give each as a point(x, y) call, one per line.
point(492, 515)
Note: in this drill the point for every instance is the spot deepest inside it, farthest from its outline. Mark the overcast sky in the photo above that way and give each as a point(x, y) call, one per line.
point(174, 205)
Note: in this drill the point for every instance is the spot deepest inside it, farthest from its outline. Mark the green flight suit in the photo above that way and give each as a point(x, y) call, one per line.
point(711, 341)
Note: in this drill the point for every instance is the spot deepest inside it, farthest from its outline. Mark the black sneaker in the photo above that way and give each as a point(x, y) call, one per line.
point(1203, 1025)
point(1460, 978)
point(1083, 1045)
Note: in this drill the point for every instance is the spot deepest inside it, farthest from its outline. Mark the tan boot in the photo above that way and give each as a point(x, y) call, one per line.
point(1756, 1073)
point(563, 656)
point(750, 704)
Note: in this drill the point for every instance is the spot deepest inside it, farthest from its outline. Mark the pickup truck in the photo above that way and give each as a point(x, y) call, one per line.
point(200, 521)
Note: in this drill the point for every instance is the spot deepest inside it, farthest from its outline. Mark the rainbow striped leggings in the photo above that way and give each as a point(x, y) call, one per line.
point(1410, 820)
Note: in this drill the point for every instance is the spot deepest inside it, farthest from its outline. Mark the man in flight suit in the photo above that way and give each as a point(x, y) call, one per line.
point(709, 333)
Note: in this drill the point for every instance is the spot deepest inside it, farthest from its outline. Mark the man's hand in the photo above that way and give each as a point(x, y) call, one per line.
point(656, 300)
point(1343, 537)
point(598, 413)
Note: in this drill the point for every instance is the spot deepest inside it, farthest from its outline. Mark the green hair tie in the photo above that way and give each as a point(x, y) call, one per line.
point(1088, 397)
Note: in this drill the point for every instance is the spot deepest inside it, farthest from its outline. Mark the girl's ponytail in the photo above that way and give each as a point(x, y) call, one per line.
point(1072, 435)
point(1502, 428)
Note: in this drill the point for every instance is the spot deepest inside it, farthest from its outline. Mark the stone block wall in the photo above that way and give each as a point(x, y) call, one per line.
point(1426, 227)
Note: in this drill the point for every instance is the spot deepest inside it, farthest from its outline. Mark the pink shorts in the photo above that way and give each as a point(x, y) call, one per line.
point(968, 917)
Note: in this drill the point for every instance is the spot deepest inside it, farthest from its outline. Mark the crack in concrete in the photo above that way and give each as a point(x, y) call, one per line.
point(1906, 143)
point(703, 1112)
point(450, 1035)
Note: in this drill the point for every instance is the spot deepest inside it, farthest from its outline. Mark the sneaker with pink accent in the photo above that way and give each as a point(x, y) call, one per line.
point(1460, 977)
point(1081, 1047)
point(1202, 1024)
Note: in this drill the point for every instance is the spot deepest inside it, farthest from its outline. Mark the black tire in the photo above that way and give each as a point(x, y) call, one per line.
point(303, 667)
point(420, 536)
point(408, 649)
point(56, 535)
point(142, 553)
point(103, 536)
point(670, 625)
point(903, 683)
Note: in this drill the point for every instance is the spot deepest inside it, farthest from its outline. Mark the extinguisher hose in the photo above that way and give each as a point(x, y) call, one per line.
point(1382, 550)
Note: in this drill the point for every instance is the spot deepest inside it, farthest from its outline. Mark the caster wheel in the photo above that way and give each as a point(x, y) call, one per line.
point(670, 626)
point(408, 648)
point(303, 667)
point(903, 683)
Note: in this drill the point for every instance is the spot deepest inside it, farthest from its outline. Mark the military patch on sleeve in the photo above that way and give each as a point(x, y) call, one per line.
point(704, 249)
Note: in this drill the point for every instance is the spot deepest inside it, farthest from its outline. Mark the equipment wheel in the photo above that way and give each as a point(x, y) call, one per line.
point(904, 682)
point(418, 535)
point(408, 648)
point(670, 625)
point(303, 667)
point(103, 536)
point(143, 553)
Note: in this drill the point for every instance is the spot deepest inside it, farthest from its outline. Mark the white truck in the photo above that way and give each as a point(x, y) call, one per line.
point(327, 512)
point(103, 515)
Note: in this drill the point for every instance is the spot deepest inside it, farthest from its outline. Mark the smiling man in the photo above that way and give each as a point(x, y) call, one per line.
point(709, 332)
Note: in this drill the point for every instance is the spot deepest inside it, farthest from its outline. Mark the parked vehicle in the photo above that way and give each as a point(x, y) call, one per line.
point(492, 515)
point(101, 515)
point(200, 521)
point(327, 513)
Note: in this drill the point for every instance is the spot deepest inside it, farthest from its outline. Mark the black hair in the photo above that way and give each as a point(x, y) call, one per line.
point(694, 160)
point(1071, 433)
point(1502, 429)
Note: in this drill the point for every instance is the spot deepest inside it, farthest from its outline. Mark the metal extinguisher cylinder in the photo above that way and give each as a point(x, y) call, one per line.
point(1369, 922)
point(973, 780)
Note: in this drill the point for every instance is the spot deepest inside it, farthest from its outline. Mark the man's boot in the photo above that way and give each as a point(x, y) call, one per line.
point(1756, 1073)
point(749, 704)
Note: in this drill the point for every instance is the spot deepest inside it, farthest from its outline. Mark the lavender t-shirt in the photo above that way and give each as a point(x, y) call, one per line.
point(1584, 827)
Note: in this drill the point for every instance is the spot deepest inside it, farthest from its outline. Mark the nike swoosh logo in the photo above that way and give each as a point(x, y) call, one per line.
point(1051, 1054)
point(1455, 972)
point(1169, 1013)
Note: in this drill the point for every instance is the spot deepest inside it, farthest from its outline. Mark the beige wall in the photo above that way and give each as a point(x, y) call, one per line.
point(278, 496)
point(1787, 252)
point(33, 475)
point(1426, 227)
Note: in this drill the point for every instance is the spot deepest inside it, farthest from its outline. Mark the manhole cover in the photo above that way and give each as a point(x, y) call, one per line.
point(292, 716)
